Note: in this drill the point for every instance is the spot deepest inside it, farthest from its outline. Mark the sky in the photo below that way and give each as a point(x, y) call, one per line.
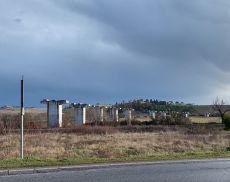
point(106, 51)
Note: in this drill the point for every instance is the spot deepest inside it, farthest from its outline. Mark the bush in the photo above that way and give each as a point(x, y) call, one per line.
point(2, 129)
point(175, 119)
point(226, 120)
point(31, 121)
point(10, 121)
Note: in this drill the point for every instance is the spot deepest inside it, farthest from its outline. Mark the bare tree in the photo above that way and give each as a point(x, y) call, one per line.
point(218, 105)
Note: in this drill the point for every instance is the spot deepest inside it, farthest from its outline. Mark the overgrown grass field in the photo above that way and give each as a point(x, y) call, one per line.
point(103, 144)
point(205, 119)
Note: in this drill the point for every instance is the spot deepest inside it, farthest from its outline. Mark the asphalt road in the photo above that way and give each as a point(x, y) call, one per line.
point(187, 171)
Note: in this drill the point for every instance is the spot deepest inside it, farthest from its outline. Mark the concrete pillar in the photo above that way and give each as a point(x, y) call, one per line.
point(80, 113)
point(111, 112)
point(60, 115)
point(128, 115)
point(186, 115)
point(163, 115)
point(54, 112)
point(101, 114)
point(115, 114)
point(152, 114)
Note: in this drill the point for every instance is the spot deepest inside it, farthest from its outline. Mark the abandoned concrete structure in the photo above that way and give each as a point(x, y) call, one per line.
point(80, 113)
point(152, 114)
point(100, 113)
point(163, 114)
point(115, 114)
point(128, 115)
point(207, 115)
point(186, 115)
point(54, 112)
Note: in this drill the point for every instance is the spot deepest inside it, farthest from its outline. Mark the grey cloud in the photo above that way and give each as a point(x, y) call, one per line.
point(169, 30)
point(107, 51)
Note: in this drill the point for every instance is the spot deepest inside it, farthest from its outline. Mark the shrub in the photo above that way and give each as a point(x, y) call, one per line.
point(2, 129)
point(226, 120)
point(175, 119)
point(10, 121)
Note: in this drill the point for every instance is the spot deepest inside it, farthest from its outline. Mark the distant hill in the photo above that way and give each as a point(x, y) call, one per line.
point(145, 105)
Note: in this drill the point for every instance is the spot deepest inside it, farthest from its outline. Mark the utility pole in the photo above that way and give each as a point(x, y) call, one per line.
point(22, 118)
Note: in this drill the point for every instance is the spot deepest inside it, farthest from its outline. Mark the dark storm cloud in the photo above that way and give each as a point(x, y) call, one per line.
point(171, 30)
point(107, 51)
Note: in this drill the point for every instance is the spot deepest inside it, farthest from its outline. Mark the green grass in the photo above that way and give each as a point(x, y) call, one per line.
point(43, 162)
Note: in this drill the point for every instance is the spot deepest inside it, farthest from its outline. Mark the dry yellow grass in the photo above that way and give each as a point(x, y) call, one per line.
point(112, 146)
point(27, 110)
point(205, 119)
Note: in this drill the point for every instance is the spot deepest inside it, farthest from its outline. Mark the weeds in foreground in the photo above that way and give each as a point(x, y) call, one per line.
point(115, 143)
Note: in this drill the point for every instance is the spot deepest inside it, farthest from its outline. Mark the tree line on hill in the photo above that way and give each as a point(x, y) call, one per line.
point(156, 105)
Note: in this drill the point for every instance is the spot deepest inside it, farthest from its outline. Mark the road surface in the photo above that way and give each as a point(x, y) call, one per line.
point(186, 171)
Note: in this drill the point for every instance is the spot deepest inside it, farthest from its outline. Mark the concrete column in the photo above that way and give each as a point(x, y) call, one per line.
point(60, 115)
point(111, 112)
point(152, 114)
point(80, 115)
point(186, 115)
point(128, 116)
point(53, 115)
point(115, 115)
point(54, 112)
point(163, 114)
point(101, 114)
